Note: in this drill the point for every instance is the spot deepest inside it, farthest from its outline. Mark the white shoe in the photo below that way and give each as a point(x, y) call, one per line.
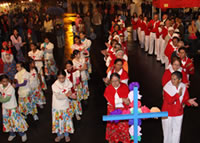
point(35, 117)
point(24, 138)
point(78, 117)
point(10, 138)
point(41, 106)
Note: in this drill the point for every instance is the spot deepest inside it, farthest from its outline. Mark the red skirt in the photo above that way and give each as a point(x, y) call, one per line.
point(117, 132)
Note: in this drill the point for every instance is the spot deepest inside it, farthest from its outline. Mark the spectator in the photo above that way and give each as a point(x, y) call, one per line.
point(97, 21)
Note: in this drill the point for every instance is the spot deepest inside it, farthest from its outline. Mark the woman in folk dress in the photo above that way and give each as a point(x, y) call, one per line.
point(74, 76)
point(62, 123)
point(35, 84)
point(116, 95)
point(22, 79)
point(80, 64)
point(79, 46)
point(13, 121)
point(38, 57)
point(50, 64)
point(87, 45)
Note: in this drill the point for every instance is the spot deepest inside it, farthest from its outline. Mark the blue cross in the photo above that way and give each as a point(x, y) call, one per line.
point(135, 116)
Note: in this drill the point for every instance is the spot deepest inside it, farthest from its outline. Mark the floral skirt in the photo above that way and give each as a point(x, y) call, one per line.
point(117, 132)
point(50, 67)
point(61, 121)
point(13, 121)
point(26, 106)
point(44, 85)
point(75, 107)
point(38, 97)
point(89, 66)
point(85, 90)
point(78, 89)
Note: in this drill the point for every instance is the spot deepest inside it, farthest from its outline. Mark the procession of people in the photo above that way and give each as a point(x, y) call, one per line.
point(28, 67)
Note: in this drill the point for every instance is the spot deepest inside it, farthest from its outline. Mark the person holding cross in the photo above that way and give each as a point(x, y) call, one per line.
point(116, 95)
point(175, 95)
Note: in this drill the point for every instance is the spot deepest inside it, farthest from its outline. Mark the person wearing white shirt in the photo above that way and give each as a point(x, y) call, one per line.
point(38, 57)
point(62, 123)
point(22, 80)
point(87, 44)
point(13, 121)
point(50, 65)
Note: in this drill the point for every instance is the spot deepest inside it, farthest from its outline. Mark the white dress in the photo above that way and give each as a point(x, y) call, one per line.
point(13, 121)
point(61, 112)
point(38, 55)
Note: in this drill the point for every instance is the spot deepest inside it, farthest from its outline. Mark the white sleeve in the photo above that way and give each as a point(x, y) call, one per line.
point(88, 44)
point(125, 81)
point(109, 74)
point(50, 48)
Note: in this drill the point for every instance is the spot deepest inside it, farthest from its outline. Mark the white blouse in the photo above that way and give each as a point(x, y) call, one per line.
point(48, 50)
point(38, 55)
point(60, 100)
point(8, 91)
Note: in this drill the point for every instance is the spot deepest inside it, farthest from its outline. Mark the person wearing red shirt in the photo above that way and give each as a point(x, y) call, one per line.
point(164, 33)
point(175, 66)
point(147, 36)
point(140, 19)
point(153, 25)
point(118, 68)
point(171, 47)
point(116, 95)
point(142, 33)
point(158, 40)
point(175, 95)
point(134, 22)
point(186, 63)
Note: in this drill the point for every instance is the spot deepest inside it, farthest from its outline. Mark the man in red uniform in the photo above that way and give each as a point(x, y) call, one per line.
point(164, 33)
point(153, 25)
point(171, 47)
point(186, 63)
point(134, 22)
point(175, 94)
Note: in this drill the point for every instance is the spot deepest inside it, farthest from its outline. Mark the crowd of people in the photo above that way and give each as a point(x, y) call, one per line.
point(165, 39)
point(27, 63)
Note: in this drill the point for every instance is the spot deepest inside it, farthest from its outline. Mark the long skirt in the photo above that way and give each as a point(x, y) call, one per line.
point(62, 121)
point(85, 90)
point(38, 97)
point(117, 132)
point(89, 66)
point(13, 121)
point(26, 106)
point(44, 85)
point(75, 105)
point(50, 67)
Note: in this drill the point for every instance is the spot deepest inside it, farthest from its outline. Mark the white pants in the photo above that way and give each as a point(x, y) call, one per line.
point(139, 34)
point(134, 35)
point(152, 40)
point(147, 37)
point(166, 62)
point(157, 48)
point(142, 36)
point(162, 51)
point(172, 129)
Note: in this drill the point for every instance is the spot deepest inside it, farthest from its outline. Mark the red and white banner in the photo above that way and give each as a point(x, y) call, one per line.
point(176, 3)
